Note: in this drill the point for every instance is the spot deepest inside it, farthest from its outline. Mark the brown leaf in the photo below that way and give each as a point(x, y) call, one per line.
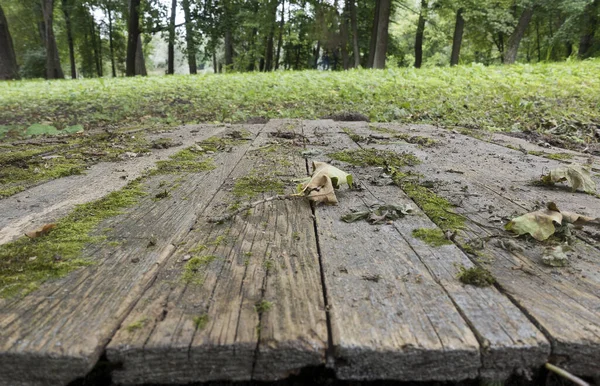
point(44, 230)
point(321, 190)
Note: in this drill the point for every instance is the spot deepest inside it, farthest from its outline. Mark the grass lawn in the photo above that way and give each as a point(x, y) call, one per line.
point(560, 98)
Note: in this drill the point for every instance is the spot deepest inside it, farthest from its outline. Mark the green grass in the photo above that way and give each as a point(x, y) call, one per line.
point(514, 97)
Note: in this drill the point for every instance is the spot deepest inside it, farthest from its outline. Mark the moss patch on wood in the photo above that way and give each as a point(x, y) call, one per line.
point(31, 162)
point(437, 208)
point(263, 306)
point(477, 276)
point(432, 236)
point(137, 325)
point(195, 267)
point(26, 263)
point(200, 322)
point(252, 185)
point(187, 160)
point(375, 157)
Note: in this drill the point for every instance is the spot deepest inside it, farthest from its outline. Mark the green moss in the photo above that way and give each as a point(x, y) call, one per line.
point(198, 249)
point(416, 139)
point(252, 185)
point(374, 157)
point(432, 236)
point(536, 153)
point(219, 240)
point(194, 269)
point(476, 276)
point(137, 325)
point(216, 144)
point(559, 156)
point(26, 263)
point(269, 265)
point(184, 161)
point(263, 306)
point(7, 192)
point(437, 208)
point(200, 322)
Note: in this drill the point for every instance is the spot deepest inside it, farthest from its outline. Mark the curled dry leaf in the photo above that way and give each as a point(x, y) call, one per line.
point(540, 224)
point(320, 187)
point(42, 231)
point(578, 176)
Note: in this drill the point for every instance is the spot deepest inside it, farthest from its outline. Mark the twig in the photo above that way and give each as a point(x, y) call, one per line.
point(565, 374)
point(252, 205)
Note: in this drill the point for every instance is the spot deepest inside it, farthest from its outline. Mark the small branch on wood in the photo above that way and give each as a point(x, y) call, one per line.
point(565, 374)
point(254, 204)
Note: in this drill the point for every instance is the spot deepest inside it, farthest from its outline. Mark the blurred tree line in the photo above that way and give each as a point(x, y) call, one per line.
point(89, 38)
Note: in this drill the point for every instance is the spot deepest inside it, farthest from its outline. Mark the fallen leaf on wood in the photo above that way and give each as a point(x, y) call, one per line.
point(320, 187)
point(578, 176)
point(321, 190)
point(541, 224)
point(42, 231)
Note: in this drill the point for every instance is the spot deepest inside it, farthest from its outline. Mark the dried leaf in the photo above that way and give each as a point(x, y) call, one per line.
point(42, 231)
point(379, 213)
point(578, 219)
point(539, 224)
point(578, 176)
point(321, 190)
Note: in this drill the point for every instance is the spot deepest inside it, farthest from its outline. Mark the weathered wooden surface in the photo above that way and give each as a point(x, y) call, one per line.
point(57, 333)
point(286, 286)
point(492, 184)
point(510, 343)
point(261, 298)
point(52, 200)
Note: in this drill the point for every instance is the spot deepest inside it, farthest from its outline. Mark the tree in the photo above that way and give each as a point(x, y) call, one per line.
point(589, 26)
point(355, 47)
point(373, 43)
point(53, 68)
point(381, 42)
point(8, 61)
point(189, 38)
point(512, 49)
point(459, 28)
point(133, 33)
point(420, 33)
point(67, 7)
point(171, 49)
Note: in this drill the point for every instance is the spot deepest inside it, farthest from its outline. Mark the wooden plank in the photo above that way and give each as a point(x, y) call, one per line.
point(58, 332)
point(260, 302)
point(564, 303)
point(48, 202)
point(390, 318)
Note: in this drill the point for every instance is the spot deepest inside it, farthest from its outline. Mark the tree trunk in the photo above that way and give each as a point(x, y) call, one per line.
point(270, 50)
point(8, 61)
point(96, 43)
point(317, 54)
point(373, 42)
point(510, 56)
point(171, 45)
point(111, 41)
point(344, 38)
point(228, 47)
point(66, 8)
point(53, 68)
point(420, 33)
point(589, 25)
point(385, 7)
point(280, 38)
point(189, 38)
point(354, 23)
point(140, 62)
point(459, 28)
point(133, 34)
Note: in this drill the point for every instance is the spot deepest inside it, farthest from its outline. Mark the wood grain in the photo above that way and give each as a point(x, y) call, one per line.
point(390, 317)
point(58, 332)
point(261, 298)
point(563, 302)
